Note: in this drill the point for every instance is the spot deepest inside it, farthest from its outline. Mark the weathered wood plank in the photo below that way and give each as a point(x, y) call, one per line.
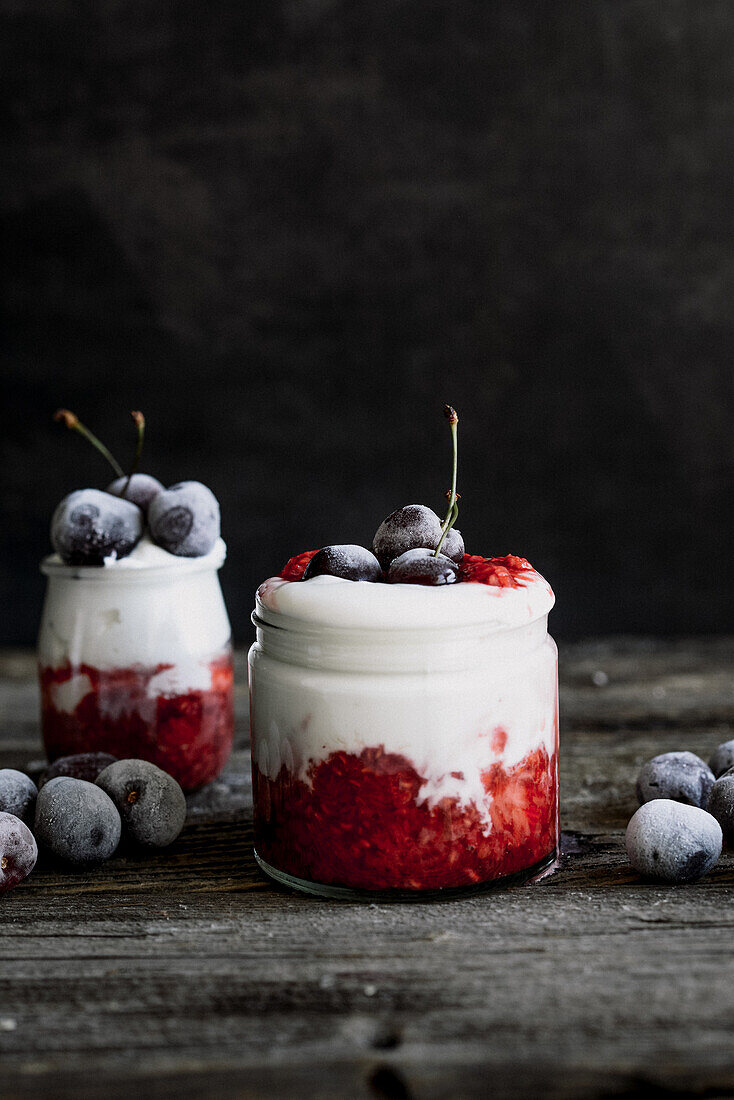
point(185, 973)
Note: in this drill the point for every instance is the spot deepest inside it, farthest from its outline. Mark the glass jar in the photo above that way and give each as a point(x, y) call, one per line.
point(137, 662)
point(393, 760)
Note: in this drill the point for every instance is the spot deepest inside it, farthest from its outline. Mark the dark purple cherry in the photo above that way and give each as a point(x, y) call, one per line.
point(150, 802)
point(18, 851)
point(352, 563)
point(89, 526)
point(81, 765)
point(420, 566)
point(76, 821)
point(140, 490)
point(184, 519)
point(17, 794)
point(453, 545)
point(408, 528)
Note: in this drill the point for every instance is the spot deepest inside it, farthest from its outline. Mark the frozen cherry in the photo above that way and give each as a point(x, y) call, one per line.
point(140, 490)
point(17, 794)
point(150, 801)
point(89, 526)
point(721, 802)
point(185, 519)
point(453, 546)
point(421, 566)
point(408, 528)
point(353, 563)
point(18, 851)
point(76, 821)
point(682, 776)
point(722, 758)
point(673, 841)
point(82, 765)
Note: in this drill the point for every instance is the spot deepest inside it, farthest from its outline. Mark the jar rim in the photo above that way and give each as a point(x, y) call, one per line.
point(397, 649)
point(267, 620)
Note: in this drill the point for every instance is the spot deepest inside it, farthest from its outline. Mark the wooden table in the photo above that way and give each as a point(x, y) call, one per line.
point(188, 975)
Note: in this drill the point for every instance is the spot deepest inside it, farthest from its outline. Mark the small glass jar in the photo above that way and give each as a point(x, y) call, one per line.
point(137, 662)
point(404, 761)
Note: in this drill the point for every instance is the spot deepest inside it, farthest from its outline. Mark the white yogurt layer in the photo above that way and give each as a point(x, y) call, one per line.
point(441, 676)
point(144, 610)
point(332, 601)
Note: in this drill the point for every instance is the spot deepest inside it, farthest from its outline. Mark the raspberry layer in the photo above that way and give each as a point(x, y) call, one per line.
point(186, 731)
point(359, 822)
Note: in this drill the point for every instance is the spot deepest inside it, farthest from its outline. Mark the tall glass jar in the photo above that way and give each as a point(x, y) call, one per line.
point(137, 662)
point(403, 759)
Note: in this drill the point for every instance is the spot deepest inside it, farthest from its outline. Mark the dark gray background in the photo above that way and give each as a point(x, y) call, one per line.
point(289, 231)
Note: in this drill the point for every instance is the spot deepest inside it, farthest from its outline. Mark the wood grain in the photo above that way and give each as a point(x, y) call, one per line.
point(187, 974)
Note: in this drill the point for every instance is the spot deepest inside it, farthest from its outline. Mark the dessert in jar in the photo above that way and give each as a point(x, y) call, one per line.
point(134, 651)
point(404, 715)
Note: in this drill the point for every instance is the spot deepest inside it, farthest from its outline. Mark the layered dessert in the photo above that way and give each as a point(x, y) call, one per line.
point(404, 715)
point(134, 651)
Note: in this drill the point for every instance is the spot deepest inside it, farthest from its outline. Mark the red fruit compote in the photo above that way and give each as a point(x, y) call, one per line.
point(405, 737)
point(135, 659)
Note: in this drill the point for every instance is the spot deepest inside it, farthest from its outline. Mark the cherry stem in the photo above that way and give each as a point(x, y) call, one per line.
point(453, 508)
point(72, 421)
point(140, 425)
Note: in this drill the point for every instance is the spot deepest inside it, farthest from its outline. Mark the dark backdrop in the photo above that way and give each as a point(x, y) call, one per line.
point(289, 231)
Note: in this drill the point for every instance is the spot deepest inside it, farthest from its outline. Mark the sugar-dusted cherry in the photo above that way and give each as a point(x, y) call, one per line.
point(80, 765)
point(89, 526)
point(17, 794)
point(184, 519)
point(76, 821)
point(150, 801)
point(18, 851)
point(422, 566)
point(453, 546)
point(139, 488)
point(351, 562)
point(412, 527)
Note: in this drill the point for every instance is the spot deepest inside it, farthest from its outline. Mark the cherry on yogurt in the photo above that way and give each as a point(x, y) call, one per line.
point(89, 526)
point(139, 488)
point(184, 519)
point(423, 566)
point(407, 528)
point(350, 562)
point(453, 546)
